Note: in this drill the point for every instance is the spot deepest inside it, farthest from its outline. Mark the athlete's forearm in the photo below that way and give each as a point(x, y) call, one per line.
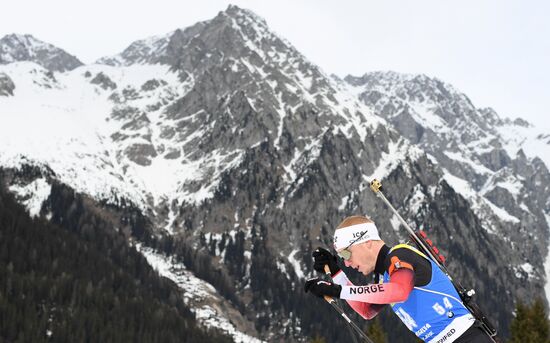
point(365, 310)
point(397, 290)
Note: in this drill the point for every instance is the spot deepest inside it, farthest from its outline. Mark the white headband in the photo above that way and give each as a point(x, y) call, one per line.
point(347, 235)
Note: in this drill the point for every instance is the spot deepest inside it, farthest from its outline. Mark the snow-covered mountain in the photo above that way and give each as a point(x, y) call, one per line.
point(17, 48)
point(500, 166)
point(241, 156)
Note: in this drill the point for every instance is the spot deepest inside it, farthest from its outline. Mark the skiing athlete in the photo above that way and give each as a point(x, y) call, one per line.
point(420, 294)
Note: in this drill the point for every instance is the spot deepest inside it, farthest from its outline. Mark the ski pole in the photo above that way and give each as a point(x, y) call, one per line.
point(335, 305)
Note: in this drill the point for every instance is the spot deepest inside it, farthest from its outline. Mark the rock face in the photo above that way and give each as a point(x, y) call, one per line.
point(103, 81)
point(242, 157)
point(470, 144)
point(6, 85)
point(17, 48)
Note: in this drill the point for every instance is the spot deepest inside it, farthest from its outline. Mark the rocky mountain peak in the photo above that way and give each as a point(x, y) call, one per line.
point(242, 13)
point(17, 47)
point(243, 84)
point(431, 103)
point(228, 35)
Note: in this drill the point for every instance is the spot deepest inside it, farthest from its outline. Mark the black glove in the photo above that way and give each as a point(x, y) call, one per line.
point(323, 257)
point(321, 288)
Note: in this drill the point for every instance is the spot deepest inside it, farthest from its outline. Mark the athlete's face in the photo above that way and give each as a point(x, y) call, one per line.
point(363, 257)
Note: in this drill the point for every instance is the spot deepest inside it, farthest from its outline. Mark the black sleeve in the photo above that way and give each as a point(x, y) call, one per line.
point(422, 267)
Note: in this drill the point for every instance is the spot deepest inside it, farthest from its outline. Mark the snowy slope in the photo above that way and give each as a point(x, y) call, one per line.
point(521, 135)
point(66, 122)
point(62, 123)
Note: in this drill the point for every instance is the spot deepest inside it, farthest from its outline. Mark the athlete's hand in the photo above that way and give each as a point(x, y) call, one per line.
point(321, 288)
point(323, 257)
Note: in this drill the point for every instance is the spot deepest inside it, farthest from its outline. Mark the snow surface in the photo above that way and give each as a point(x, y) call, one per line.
point(33, 195)
point(64, 123)
point(525, 268)
point(480, 205)
point(399, 151)
point(396, 223)
point(533, 142)
point(423, 113)
point(296, 264)
point(476, 166)
point(62, 127)
point(416, 200)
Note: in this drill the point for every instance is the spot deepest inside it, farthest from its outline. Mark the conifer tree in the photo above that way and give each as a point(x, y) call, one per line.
point(376, 332)
point(531, 324)
point(539, 321)
point(318, 339)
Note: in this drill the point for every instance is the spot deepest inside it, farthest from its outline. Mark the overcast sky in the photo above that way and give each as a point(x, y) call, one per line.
point(496, 51)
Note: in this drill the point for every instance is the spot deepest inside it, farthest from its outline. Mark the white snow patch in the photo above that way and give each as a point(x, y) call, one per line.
point(480, 205)
point(416, 199)
point(525, 268)
point(425, 116)
point(172, 215)
point(33, 195)
point(501, 213)
point(208, 168)
point(524, 207)
point(210, 317)
point(282, 267)
point(476, 166)
point(344, 202)
point(461, 186)
point(512, 185)
point(398, 152)
point(530, 139)
point(395, 223)
point(296, 264)
point(432, 189)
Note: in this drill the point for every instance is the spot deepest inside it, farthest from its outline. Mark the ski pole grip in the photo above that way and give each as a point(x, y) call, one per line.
point(327, 298)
